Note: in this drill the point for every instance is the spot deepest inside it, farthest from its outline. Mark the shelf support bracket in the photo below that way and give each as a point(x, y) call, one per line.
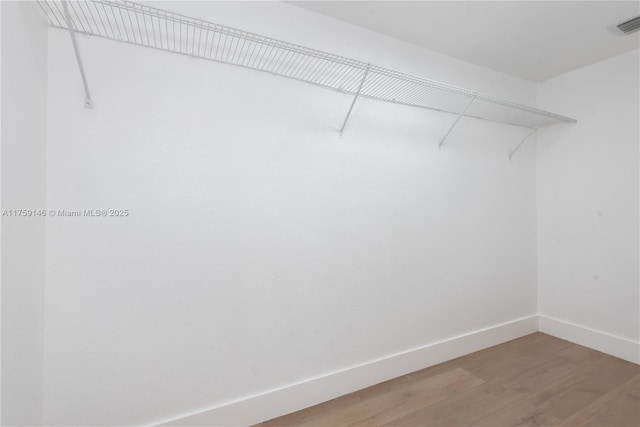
point(456, 122)
point(522, 142)
point(67, 17)
point(355, 98)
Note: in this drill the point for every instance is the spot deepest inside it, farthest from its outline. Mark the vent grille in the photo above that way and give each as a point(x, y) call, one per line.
point(630, 26)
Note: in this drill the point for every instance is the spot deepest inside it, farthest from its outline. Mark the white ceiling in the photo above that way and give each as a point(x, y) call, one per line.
point(534, 40)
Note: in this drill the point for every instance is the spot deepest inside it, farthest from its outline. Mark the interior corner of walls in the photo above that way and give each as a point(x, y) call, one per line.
point(281, 401)
point(24, 40)
point(598, 340)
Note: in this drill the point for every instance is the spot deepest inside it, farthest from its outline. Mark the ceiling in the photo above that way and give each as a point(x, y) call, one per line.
point(534, 40)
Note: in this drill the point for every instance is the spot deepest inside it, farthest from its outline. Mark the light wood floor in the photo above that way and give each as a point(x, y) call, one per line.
point(537, 380)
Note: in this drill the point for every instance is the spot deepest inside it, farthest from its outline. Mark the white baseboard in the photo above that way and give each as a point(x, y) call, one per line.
point(291, 398)
point(597, 340)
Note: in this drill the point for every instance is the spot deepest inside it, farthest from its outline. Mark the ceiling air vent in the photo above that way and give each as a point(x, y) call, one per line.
point(630, 26)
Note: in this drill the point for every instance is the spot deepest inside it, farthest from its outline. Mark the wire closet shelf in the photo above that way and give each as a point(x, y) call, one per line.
point(143, 25)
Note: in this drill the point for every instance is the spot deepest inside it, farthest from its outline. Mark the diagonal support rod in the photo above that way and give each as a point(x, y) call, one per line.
point(355, 98)
point(67, 17)
point(456, 122)
point(522, 142)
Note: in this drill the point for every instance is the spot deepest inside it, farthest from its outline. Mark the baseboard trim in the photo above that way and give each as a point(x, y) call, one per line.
point(616, 346)
point(293, 397)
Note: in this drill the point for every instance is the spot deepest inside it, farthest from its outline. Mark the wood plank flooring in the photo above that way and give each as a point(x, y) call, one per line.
point(537, 380)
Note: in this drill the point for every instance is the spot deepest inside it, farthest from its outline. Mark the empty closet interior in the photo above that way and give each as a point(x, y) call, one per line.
point(220, 213)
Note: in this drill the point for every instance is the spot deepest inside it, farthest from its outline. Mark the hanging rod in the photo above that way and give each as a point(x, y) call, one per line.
point(148, 26)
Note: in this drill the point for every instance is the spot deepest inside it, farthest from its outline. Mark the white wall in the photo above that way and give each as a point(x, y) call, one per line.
point(24, 67)
point(262, 249)
point(588, 205)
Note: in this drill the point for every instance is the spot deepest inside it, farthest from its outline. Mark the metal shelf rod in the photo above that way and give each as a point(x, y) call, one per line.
point(456, 122)
point(522, 142)
point(147, 26)
point(355, 98)
point(87, 98)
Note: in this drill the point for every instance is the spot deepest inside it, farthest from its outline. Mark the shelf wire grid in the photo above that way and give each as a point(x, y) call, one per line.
point(148, 26)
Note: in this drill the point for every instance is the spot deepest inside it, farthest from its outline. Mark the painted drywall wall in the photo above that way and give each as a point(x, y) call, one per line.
point(24, 67)
point(261, 249)
point(588, 194)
